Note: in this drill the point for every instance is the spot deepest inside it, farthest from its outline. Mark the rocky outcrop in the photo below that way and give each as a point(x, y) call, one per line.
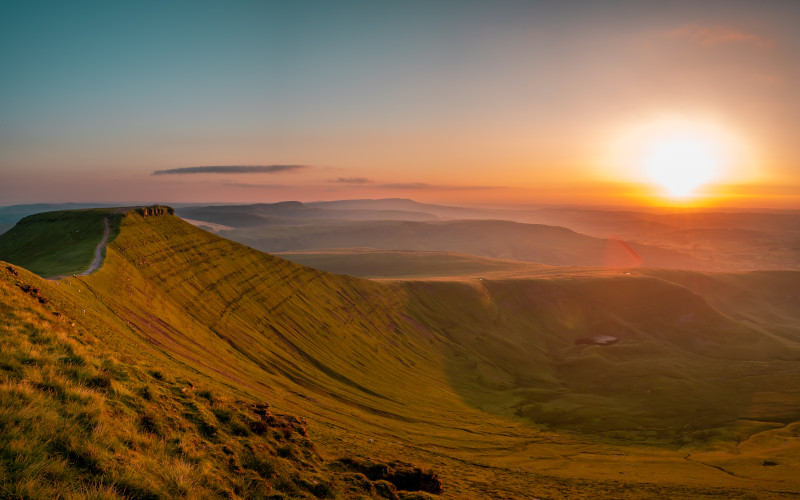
point(154, 210)
point(287, 424)
point(404, 476)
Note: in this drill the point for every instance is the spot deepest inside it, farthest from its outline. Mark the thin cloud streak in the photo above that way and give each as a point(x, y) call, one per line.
point(438, 187)
point(255, 186)
point(718, 35)
point(351, 180)
point(231, 169)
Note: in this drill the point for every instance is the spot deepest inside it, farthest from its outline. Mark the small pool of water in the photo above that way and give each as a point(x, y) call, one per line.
point(597, 340)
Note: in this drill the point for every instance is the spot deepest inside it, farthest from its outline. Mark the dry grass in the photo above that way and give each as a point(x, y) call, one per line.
point(75, 422)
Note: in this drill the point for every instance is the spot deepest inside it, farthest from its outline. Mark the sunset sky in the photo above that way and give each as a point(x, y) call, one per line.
point(452, 101)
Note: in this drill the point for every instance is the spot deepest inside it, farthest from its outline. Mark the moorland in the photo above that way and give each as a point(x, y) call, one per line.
point(476, 363)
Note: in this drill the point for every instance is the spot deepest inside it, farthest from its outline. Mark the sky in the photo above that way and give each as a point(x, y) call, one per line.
point(452, 101)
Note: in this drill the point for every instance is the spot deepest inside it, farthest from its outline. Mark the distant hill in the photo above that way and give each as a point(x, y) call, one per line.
point(731, 239)
point(408, 206)
point(495, 239)
point(718, 240)
point(371, 263)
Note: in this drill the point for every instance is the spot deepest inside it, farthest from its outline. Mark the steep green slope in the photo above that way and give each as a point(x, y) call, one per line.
point(482, 380)
point(54, 243)
point(758, 298)
point(78, 420)
point(679, 371)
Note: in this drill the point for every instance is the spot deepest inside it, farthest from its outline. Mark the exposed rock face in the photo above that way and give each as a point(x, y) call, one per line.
point(288, 424)
point(154, 210)
point(403, 476)
point(33, 292)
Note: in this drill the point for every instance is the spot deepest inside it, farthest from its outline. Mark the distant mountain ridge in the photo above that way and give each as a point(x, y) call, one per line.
point(550, 245)
point(724, 240)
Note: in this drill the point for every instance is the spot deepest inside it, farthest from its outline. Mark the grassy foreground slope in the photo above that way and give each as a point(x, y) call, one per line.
point(482, 381)
point(77, 419)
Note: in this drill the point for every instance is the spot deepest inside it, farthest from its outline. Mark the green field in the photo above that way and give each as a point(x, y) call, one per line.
point(480, 380)
point(55, 243)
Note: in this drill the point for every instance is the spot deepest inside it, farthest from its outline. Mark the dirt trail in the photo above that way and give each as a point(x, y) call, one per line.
point(98, 252)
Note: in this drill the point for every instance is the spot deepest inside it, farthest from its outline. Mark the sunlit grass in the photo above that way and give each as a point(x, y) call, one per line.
point(74, 422)
point(482, 380)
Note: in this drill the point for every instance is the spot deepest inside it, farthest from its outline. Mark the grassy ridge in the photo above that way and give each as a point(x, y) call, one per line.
point(448, 374)
point(54, 243)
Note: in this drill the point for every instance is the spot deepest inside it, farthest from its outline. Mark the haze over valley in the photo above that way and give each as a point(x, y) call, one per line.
point(720, 240)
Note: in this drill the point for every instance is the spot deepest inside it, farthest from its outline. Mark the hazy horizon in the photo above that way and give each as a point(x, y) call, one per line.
point(654, 208)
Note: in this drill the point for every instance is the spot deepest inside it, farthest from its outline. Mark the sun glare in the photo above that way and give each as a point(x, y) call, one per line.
point(681, 164)
point(681, 157)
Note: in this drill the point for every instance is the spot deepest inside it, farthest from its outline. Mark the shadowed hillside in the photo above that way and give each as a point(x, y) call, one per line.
point(496, 385)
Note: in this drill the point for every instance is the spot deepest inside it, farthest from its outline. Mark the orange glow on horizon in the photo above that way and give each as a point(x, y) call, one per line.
point(680, 160)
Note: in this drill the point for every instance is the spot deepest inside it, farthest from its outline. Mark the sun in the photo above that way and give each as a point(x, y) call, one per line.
point(678, 158)
point(681, 164)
